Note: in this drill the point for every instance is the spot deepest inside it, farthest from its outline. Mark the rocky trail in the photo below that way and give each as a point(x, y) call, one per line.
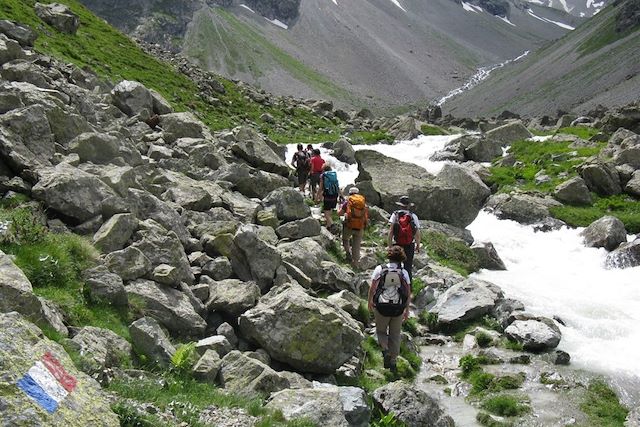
point(154, 271)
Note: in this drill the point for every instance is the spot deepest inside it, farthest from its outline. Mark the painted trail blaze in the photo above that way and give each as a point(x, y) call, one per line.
point(47, 383)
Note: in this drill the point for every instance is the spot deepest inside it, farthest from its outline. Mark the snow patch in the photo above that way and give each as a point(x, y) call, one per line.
point(505, 19)
point(479, 76)
point(469, 7)
point(397, 3)
point(248, 8)
point(278, 23)
point(336, 2)
point(549, 21)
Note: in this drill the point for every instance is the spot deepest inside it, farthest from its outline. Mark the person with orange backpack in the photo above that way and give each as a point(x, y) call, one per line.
point(404, 231)
point(356, 219)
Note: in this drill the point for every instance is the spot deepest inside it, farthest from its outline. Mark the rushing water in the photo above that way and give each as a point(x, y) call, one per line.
point(552, 274)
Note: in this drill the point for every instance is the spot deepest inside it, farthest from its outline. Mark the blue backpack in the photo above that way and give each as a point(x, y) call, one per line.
point(330, 184)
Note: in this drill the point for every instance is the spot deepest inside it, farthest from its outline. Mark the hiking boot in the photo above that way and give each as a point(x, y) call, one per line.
point(393, 368)
point(386, 359)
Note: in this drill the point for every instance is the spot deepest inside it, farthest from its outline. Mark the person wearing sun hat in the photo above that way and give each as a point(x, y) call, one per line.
point(356, 218)
point(404, 231)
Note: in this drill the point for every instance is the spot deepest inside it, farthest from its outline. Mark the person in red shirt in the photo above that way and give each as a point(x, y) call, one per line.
point(316, 170)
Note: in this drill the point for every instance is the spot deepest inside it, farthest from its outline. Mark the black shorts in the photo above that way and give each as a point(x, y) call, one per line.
point(329, 204)
point(302, 176)
point(314, 178)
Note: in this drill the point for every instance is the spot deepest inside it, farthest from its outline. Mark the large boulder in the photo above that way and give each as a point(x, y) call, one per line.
point(574, 191)
point(354, 403)
point(114, 234)
point(288, 204)
point(9, 49)
point(250, 181)
point(251, 147)
point(232, 296)
point(150, 340)
point(627, 255)
point(28, 360)
point(633, 185)
point(405, 129)
point(535, 334)
point(170, 307)
point(252, 258)
point(22, 34)
point(607, 232)
point(522, 208)
point(129, 263)
point(310, 334)
point(410, 406)
point(146, 206)
point(509, 133)
point(71, 192)
point(102, 286)
point(602, 178)
point(16, 294)
point(483, 150)
point(244, 375)
point(306, 255)
point(307, 227)
point(473, 190)
point(183, 125)
point(322, 406)
point(99, 349)
point(343, 151)
point(488, 256)
point(464, 301)
point(132, 97)
point(58, 16)
point(383, 180)
point(100, 148)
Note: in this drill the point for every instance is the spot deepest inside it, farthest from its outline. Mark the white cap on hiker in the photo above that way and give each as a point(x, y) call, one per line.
point(405, 202)
point(354, 190)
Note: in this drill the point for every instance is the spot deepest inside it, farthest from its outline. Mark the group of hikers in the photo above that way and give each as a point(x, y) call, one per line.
point(390, 290)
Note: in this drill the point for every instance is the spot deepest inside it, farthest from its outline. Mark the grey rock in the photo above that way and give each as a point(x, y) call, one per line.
point(129, 263)
point(232, 296)
point(9, 49)
point(150, 340)
point(306, 255)
point(226, 330)
point(22, 345)
point(207, 367)
point(322, 406)
point(99, 349)
point(114, 234)
point(250, 181)
point(405, 129)
point(58, 16)
point(519, 207)
point(488, 256)
point(467, 300)
point(307, 227)
point(343, 151)
point(246, 376)
point(607, 232)
point(627, 255)
point(218, 269)
point(146, 206)
point(628, 156)
point(410, 406)
point(170, 307)
point(602, 178)
point(253, 259)
point(288, 203)
point(534, 334)
point(26, 142)
point(183, 125)
point(633, 186)
point(167, 275)
point(504, 309)
point(160, 104)
point(573, 192)
point(194, 198)
point(293, 326)
point(509, 133)
point(95, 147)
point(483, 150)
point(217, 343)
point(20, 33)
point(251, 147)
point(102, 286)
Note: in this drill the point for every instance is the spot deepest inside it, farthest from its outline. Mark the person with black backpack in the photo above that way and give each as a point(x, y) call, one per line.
point(302, 163)
point(389, 299)
point(329, 191)
point(404, 231)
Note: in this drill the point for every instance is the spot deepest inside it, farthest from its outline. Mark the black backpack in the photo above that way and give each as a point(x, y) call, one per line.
point(303, 162)
point(392, 293)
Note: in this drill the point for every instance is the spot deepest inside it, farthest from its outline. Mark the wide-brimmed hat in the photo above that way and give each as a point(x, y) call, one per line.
point(405, 202)
point(354, 190)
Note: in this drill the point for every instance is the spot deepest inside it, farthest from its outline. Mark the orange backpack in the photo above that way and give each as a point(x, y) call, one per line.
point(357, 214)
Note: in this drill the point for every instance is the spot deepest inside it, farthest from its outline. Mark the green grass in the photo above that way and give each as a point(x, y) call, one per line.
point(114, 57)
point(505, 406)
point(452, 253)
point(481, 381)
point(432, 130)
point(370, 137)
point(625, 208)
point(606, 35)
point(583, 132)
point(513, 345)
point(487, 421)
point(602, 406)
point(483, 339)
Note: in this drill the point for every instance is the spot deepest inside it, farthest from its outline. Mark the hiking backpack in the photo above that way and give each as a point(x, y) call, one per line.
point(303, 162)
point(392, 293)
point(356, 214)
point(330, 184)
point(404, 228)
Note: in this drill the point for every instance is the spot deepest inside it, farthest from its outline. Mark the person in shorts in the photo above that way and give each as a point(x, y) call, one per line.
point(329, 192)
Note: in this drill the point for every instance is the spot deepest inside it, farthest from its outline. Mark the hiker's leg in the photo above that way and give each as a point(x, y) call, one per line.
point(395, 336)
point(346, 242)
point(382, 327)
point(355, 249)
point(408, 263)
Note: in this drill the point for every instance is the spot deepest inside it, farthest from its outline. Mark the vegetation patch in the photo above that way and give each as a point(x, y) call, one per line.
point(432, 130)
point(604, 36)
point(481, 381)
point(602, 406)
point(450, 252)
point(364, 137)
point(625, 208)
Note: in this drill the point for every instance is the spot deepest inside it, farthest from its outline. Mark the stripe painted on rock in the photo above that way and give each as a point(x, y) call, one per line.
point(47, 381)
point(57, 370)
point(35, 392)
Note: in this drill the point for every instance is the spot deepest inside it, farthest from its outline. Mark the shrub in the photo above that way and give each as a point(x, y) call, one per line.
point(602, 406)
point(450, 252)
point(432, 130)
point(184, 358)
point(429, 319)
point(411, 326)
point(504, 405)
point(468, 364)
point(484, 339)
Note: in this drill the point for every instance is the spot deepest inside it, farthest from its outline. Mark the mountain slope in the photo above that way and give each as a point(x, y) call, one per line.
point(598, 63)
point(575, 7)
point(381, 53)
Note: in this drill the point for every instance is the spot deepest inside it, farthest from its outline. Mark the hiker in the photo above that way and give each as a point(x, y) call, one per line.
point(389, 299)
point(404, 231)
point(329, 191)
point(356, 218)
point(317, 163)
point(302, 164)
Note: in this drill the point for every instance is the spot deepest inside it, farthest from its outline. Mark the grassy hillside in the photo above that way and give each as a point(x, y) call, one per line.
point(115, 57)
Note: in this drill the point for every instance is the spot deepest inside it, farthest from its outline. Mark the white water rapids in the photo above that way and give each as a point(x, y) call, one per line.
point(552, 274)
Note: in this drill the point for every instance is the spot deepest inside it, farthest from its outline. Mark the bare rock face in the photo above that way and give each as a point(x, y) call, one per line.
point(607, 232)
point(410, 406)
point(464, 301)
point(573, 192)
point(58, 16)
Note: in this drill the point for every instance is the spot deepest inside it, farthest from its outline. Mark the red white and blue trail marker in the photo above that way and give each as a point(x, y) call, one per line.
point(47, 383)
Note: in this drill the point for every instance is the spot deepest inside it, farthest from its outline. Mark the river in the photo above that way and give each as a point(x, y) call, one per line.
point(553, 274)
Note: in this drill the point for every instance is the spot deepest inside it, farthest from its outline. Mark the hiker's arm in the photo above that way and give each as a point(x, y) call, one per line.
point(320, 188)
point(293, 161)
point(405, 314)
point(390, 235)
point(372, 292)
point(418, 241)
